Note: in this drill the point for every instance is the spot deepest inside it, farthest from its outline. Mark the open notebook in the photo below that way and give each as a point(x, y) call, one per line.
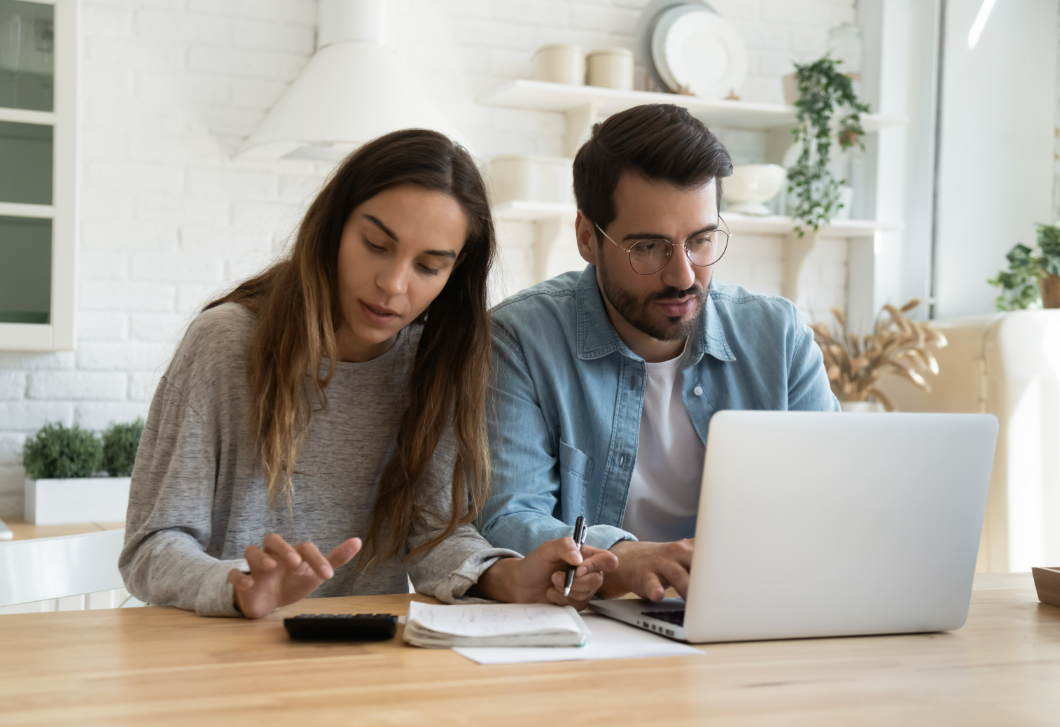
point(494, 624)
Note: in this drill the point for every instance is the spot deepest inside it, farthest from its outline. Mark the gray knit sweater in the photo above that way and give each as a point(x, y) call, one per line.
point(198, 496)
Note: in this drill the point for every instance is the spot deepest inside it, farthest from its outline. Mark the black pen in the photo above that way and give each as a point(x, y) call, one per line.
point(579, 538)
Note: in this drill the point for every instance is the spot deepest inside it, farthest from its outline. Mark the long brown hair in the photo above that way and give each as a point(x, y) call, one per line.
point(298, 311)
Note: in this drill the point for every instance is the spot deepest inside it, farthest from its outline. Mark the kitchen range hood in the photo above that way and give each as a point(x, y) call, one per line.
point(353, 90)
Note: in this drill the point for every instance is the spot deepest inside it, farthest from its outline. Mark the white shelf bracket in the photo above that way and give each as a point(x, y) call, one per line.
point(549, 230)
point(579, 124)
point(796, 250)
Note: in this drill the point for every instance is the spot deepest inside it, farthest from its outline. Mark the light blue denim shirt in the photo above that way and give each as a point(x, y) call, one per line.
point(564, 412)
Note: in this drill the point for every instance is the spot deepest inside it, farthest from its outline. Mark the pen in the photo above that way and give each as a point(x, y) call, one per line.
point(579, 538)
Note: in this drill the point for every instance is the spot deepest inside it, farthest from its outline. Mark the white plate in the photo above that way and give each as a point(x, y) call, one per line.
point(642, 34)
point(694, 47)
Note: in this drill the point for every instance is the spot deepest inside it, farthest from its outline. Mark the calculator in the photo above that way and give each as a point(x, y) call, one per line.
point(341, 626)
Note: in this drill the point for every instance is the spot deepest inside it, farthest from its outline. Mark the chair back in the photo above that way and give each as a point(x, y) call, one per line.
point(71, 565)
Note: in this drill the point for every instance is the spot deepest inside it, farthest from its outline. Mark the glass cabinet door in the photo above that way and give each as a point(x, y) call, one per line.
point(28, 214)
point(27, 55)
point(25, 270)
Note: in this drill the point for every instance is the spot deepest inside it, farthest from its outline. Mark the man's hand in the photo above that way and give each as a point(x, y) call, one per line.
point(538, 578)
point(282, 574)
point(648, 569)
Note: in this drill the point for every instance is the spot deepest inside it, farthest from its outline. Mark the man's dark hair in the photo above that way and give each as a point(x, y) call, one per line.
point(660, 142)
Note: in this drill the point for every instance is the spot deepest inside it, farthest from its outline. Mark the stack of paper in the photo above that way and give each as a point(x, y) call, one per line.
point(494, 624)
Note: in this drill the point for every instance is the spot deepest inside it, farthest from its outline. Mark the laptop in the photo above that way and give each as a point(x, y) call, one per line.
point(816, 524)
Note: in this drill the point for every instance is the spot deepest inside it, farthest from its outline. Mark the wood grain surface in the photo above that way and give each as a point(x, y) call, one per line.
point(161, 666)
point(21, 530)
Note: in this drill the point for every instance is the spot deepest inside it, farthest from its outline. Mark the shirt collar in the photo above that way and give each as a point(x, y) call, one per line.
point(597, 337)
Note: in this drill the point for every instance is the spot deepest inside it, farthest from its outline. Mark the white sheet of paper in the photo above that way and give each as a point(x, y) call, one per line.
point(494, 619)
point(611, 640)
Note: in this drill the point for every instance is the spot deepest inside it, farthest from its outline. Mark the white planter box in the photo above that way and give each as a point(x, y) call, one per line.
point(85, 500)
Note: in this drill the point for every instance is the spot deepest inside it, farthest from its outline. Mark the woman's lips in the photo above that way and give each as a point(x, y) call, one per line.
point(677, 308)
point(377, 314)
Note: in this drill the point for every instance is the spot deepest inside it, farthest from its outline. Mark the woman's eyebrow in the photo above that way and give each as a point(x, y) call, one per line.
point(390, 233)
point(386, 230)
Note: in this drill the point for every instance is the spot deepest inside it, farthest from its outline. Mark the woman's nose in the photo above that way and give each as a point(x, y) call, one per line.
point(393, 279)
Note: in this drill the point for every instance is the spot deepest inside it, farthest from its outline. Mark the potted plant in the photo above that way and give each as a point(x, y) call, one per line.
point(823, 91)
point(1031, 280)
point(897, 345)
point(66, 472)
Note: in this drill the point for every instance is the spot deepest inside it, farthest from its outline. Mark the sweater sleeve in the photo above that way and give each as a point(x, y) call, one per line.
point(170, 511)
point(454, 565)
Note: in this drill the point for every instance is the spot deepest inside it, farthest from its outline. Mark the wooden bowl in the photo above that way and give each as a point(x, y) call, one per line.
point(1047, 582)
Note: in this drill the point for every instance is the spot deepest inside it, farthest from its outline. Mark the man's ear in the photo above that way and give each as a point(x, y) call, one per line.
point(584, 230)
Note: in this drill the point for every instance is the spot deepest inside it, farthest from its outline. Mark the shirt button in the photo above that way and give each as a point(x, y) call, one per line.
point(621, 460)
point(698, 391)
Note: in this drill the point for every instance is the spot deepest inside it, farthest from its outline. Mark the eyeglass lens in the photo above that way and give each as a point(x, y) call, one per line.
point(650, 256)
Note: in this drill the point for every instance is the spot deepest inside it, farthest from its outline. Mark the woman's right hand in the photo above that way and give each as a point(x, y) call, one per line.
point(282, 574)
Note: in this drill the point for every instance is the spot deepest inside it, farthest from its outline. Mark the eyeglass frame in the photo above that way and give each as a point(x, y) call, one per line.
point(670, 253)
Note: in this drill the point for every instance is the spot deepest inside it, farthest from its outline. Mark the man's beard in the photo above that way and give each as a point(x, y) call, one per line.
point(637, 312)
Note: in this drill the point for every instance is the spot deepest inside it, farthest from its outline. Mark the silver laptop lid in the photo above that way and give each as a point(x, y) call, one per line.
point(816, 524)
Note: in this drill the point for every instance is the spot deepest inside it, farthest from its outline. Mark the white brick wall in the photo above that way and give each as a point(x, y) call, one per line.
point(171, 88)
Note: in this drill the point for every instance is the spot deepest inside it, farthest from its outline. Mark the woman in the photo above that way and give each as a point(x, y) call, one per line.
point(340, 392)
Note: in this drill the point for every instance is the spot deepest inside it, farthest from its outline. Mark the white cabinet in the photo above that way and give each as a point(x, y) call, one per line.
point(38, 174)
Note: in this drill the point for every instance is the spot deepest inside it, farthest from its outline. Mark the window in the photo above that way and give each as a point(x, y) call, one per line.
point(38, 104)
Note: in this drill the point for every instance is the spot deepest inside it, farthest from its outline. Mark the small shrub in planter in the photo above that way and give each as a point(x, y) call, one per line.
point(56, 452)
point(119, 447)
point(60, 486)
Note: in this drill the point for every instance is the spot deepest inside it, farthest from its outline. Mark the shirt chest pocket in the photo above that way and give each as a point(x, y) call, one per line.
point(575, 461)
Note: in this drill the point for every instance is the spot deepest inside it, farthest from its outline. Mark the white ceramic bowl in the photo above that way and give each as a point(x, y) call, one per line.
point(751, 185)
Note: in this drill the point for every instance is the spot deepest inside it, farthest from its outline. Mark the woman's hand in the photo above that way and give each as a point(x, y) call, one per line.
point(538, 578)
point(282, 574)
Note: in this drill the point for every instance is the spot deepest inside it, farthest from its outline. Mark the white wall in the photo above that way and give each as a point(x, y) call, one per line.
point(170, 89)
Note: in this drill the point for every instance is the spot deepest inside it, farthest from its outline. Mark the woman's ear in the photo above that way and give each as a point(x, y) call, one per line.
point(459, 259)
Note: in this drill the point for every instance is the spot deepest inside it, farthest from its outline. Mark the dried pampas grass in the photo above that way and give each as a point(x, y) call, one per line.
point(896, 345)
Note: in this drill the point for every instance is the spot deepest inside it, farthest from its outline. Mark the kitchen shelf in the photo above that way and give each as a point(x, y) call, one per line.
point(23, 116)
point(551, 216)
point(37, 211)
point(584, 105)
point(527, 211)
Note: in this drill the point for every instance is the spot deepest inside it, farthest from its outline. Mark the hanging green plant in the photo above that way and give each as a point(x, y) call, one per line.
point(823, 91)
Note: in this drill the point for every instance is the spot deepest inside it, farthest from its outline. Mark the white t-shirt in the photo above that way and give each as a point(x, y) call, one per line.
point(664, 491)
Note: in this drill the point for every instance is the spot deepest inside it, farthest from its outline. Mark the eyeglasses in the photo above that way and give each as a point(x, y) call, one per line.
point(651, 255)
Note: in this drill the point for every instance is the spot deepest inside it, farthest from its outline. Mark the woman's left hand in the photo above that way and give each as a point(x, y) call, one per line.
point(538, 578)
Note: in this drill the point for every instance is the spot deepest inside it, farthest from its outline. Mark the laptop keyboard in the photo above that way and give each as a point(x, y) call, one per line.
point(674, 617)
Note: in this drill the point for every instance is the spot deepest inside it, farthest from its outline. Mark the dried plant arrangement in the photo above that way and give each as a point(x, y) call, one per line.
point(897, 345)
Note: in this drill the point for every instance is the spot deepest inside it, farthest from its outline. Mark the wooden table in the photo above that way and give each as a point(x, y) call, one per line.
point(160, 666)
point(23, 530)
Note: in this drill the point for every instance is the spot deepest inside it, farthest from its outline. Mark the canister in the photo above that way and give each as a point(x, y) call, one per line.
point(611, 68)
point(560, 63)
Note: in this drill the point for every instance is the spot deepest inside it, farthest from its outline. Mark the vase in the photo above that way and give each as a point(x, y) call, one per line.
point(1050, 287)
point(80, 500)
point(861, 407)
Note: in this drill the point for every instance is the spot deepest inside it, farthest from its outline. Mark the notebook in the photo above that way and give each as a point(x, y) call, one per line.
point(494, 624)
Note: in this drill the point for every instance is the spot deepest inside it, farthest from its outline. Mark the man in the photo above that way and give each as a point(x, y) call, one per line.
point(607, 379)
